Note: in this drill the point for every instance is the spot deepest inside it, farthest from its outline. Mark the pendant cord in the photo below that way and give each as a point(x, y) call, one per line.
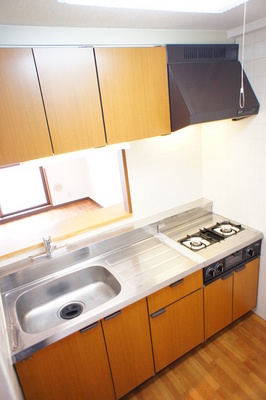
point(242, 91)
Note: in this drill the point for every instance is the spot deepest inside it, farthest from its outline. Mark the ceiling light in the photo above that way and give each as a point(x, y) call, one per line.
point(203, 6)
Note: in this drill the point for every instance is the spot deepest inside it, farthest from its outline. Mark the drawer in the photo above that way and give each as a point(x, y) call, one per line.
point(175, 291)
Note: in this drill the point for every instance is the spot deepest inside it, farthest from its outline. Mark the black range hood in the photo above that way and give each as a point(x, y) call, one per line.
point(204, 85)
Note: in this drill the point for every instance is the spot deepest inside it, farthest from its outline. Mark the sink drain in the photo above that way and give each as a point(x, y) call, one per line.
point(71, 310)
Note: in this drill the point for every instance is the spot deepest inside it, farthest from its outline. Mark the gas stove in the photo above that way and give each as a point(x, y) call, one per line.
point(219, 243)
point(205, 237)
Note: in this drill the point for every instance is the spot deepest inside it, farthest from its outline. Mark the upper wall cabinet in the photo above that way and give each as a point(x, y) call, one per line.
point(134, 91)
point(70, 91)
point(23, 129)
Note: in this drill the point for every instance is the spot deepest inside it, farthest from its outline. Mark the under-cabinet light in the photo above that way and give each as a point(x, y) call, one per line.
point(204, 6)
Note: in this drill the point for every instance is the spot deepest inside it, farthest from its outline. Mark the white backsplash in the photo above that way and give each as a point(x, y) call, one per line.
point(165, 172)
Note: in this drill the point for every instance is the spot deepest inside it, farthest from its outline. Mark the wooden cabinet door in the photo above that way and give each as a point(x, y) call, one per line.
point(134, 91)
point(218, 305)
point(24, 133)
point(74, 368)
point(175, 291)
point(245, 288)
point(177, 329)
point(129, 349)
point(71, 97)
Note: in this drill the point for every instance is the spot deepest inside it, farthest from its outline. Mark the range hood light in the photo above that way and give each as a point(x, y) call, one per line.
point(196, 6)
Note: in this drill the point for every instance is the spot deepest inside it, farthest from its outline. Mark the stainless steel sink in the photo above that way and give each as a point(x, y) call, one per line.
point(49, 304)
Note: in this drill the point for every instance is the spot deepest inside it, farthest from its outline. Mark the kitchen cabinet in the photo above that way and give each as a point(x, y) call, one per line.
point(134, 92)
point(71, 97)
point(218, 305)
point(245, 288)
point(176, 319)
point(75, 367)
point(230, 297)
point(24, 131)
point(129, 349)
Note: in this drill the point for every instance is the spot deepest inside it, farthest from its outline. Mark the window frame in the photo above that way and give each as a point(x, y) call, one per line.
point(21, 213)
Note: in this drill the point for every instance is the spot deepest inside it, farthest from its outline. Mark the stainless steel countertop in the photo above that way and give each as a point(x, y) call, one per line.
point(143, 261)
point(141, 268)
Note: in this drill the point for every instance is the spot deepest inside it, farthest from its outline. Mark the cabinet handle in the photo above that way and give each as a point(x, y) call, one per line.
point(26, 359)
point(177, 283)
point(87, 328)
point(227, 276)
point(157, 313)
point(112, 315)
point(240, 268)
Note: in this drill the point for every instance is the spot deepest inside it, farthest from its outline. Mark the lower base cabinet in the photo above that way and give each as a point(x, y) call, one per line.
point(230, 297)
point(104, 361)
point(218, 305)
point(245, 288)
point(128, 343)
point(177, 329)
point(73, 368)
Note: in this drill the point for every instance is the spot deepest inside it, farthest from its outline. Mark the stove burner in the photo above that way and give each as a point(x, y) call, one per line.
point(196, 243)
point(226, 229)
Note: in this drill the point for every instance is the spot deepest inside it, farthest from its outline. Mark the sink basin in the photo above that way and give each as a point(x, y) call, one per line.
point(49, 304)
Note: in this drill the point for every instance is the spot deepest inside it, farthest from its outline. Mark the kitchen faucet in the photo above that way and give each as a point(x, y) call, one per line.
point(49, 245)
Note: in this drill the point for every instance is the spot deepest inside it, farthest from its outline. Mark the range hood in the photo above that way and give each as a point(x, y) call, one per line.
point(204, 85)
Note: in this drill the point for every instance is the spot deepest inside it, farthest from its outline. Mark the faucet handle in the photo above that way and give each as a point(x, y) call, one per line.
point(46, 239)
point(49, 246)
point(47, 243)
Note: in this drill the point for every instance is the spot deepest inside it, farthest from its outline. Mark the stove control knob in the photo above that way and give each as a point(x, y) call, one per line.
point(219, 267)
point(210, 272)
point(250, 252)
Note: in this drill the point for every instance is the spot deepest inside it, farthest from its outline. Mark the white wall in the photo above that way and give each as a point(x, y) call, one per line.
point(93, 173)
point(37, 35)
point(165, 172)
point(104, 179)
point(68, 179)
point(234, 158)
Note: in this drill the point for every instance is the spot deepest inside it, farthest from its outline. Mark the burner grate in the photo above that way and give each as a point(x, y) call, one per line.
point(208, 236)
point(200, 240)
point(226, 228)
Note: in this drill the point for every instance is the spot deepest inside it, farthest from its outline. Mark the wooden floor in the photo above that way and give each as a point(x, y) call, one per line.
point(60, 223)
point(72, 209)
point(230, 365)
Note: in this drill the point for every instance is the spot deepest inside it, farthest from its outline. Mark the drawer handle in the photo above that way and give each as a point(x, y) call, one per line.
point(91, 326)
point(227, 276)
point(177, 283)
point(240, 268)
point(26, 359)
point(112, 315)
point(157, 313)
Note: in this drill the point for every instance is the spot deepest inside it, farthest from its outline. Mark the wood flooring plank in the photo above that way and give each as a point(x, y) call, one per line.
point(231, 365)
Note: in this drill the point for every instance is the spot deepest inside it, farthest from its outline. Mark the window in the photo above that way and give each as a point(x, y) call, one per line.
point(22, 188)
point(98, 175)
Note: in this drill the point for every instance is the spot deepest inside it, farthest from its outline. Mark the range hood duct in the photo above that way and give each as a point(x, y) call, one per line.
point(204, 85)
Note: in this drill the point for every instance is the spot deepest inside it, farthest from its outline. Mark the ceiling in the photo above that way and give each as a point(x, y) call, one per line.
point(53, 14)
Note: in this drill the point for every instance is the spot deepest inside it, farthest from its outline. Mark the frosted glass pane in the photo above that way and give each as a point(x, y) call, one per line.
point(21, 188)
